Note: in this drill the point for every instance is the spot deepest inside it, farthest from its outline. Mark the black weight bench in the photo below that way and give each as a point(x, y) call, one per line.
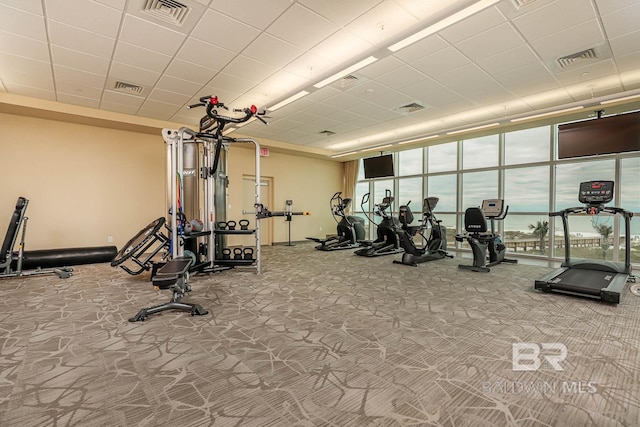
point(173, 275)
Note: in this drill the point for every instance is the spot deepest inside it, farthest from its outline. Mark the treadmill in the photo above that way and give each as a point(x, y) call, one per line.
point(590, 277)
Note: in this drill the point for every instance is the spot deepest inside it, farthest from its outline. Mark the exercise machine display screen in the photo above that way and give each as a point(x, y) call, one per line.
point(492, 208)
point(596, 192)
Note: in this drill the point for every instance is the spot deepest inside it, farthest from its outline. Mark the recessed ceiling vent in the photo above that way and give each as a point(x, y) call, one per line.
point(410, 108)
point(128, 88)
point(181, 16)
point(345, 82)
point(167, 10)
point(519, 4)
point(327, 133)
point(578, 58)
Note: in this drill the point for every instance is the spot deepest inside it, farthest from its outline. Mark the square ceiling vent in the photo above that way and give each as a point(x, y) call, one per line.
point(410, 108)
point(180, 15)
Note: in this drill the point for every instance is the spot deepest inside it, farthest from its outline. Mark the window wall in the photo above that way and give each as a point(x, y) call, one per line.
point(522, 168)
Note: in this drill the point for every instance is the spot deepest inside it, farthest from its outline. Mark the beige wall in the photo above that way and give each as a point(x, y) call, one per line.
point(83, 183)
point(86, 183)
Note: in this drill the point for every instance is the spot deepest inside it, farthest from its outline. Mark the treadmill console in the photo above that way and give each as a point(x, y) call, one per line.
point(596, 192)
point(492, 208)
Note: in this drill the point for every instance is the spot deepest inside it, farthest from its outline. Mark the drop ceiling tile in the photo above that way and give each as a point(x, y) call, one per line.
point(22, 23)
point(23, 46)
point(78, 100)
point(441, 62)
point(373, 110)
point(520, 76)
point(168, 97)
point(173, 84)
point(78, 89)
point(189, 71)
point(230, 83)
point(114, 97)
point(119, 108)
point(315, 29)
point(87, 15)
point(131, 74)
point(421, 48)
point(625, 45)
point(19, 65)
point(569, 41)
point(383, 21)
point(532, 87)
point(223, 31)
point(340, 47)
point(491, 42)
point(81, 78)
point(136, 56)
point(341, 100)
point(78, 60)
point(249, 69)
point(148, 35)
point(273, 51)
point(257, 13)
point(473, 25)
point(628, 62)
point(608, 6)
point(205, 54)
point(587, 73)
point(509, 60)
point(40, 92)
point(310, 66)
point(553, 17)
point(34, 7)
point(338, 11)
point(622, 21)
point(19, 79)
point(83, 41)
point(115, 4)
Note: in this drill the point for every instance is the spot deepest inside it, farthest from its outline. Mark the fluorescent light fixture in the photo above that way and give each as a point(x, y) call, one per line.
point(418, 139)
point(288, 100)
point(626, 98)
point(343, 154)
point(377, 148)
point(239, 125)
point(537, 116)
point(442, 24)
point(346, 71)
point(474, 128)
point(228, 130)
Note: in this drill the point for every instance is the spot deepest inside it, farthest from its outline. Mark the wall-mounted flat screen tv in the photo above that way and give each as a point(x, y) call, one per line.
point(607, 135)
point(378, 167)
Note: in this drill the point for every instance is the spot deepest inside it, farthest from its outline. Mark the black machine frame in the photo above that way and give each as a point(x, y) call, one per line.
point(592, 278)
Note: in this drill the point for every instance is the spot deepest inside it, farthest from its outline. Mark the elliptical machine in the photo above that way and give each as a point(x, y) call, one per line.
point(387, 241)
point(350, 229)
point(435, 247)
point(481, 240)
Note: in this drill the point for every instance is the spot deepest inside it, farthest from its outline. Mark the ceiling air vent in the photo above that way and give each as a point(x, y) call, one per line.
point(128, 88)
point(345, 82)
point(327, 133)
point(578, 57)
point(170, 11)
point(410, 108)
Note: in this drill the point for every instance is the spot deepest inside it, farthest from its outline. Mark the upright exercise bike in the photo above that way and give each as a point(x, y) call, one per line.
point(435, 247)
point(350, 229)
point(387, 241)
point(486, 245)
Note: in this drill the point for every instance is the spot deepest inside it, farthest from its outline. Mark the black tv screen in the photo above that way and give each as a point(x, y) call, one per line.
point(378, 167)
point(607, 135)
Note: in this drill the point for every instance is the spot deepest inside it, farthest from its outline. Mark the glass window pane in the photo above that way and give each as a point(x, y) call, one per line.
point(629, 187)
point(480, 152)
point(360, 171)
point(527, 189)
point(379, 191)
point(443, 157)
point(410, 162)
point(527, 146)
point(409, 190)
point(361, 189)
point(445, 188)
point(477, 186)
point(526, 234)
point(570, 175)
point(591, 237)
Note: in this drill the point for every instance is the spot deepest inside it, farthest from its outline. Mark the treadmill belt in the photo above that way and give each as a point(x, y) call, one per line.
point(584, 281)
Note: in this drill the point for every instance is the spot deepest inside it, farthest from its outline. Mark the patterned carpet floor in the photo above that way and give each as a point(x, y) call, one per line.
point(317, 339)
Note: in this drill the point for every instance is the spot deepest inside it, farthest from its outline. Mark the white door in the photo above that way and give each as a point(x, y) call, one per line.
point(266, 198)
